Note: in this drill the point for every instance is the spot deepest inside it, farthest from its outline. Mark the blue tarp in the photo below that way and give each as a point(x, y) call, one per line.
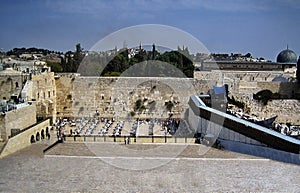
point(219, 90)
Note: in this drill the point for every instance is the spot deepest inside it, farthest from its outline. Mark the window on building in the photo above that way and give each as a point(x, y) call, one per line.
point(46, 80)
point(17, 85)
point(44, 95)
point(53, 93)
point(38, 95)
point(48, 94)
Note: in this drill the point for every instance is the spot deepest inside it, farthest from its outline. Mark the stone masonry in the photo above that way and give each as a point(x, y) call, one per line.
point(79, 96)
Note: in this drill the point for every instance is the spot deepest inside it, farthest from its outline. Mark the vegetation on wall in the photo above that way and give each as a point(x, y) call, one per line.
point(265, 95)
point(169, 105)
point(237, 103)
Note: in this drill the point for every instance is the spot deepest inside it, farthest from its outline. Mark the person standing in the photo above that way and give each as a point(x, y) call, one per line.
point(128, 140)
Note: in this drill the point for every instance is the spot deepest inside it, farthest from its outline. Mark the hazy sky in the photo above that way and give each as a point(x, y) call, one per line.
point(261, 27)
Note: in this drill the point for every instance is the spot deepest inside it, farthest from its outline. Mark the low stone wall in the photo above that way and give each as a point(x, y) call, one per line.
point(17, 119)
point(22, 140)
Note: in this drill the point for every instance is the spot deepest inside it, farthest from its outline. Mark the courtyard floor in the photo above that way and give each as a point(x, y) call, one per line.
point(111, 167)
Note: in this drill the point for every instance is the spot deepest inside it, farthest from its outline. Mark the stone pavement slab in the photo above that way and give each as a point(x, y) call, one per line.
point(218, 171)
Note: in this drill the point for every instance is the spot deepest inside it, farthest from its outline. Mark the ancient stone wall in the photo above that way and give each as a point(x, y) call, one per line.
point(288, 111)
point(10, 85)
point(44, 92)
point(64, 91)
point(117, 96)
point(244, 83)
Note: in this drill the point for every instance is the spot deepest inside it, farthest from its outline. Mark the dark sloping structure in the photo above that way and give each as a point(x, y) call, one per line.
point(262, 134)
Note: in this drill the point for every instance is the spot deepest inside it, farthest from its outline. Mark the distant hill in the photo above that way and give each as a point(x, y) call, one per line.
point(19, 51)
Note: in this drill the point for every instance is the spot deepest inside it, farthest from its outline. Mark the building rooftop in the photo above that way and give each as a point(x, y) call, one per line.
point(9, 71)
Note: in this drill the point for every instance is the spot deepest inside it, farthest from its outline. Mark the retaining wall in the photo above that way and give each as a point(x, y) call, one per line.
point(22, 140)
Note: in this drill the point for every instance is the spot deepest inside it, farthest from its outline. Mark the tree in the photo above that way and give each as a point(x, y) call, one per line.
point(248, 55)
point(68, 63)
point(55, 67)
point(72, 60)
point(78, 56)
point(180, 59)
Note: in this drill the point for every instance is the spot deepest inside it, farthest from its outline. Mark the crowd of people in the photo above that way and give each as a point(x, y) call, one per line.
point(90, 126)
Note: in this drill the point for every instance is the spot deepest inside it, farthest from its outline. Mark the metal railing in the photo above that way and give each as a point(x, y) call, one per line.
point(130, 139)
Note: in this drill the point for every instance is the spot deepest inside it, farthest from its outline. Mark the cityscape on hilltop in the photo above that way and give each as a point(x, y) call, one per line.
point(44, 78)
point(70, 61)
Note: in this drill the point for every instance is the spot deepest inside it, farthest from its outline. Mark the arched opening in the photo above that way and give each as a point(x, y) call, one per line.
point(37, 137)
point(32, 140)
point(42, 134)
point(17, 85)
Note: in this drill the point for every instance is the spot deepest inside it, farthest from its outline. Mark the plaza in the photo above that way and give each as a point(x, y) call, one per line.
point(73, 167)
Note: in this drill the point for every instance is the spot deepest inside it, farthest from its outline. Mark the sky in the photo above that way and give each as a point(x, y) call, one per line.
point(261, 27)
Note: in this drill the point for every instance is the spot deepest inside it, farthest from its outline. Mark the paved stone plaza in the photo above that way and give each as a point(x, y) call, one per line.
point(100, 167)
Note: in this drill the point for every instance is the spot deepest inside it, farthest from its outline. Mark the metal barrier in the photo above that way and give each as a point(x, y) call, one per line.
point(132, 139)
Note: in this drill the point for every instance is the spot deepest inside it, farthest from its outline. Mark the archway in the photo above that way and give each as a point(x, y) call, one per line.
point(42, 134)
point(37, 137)
point(32, 140)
